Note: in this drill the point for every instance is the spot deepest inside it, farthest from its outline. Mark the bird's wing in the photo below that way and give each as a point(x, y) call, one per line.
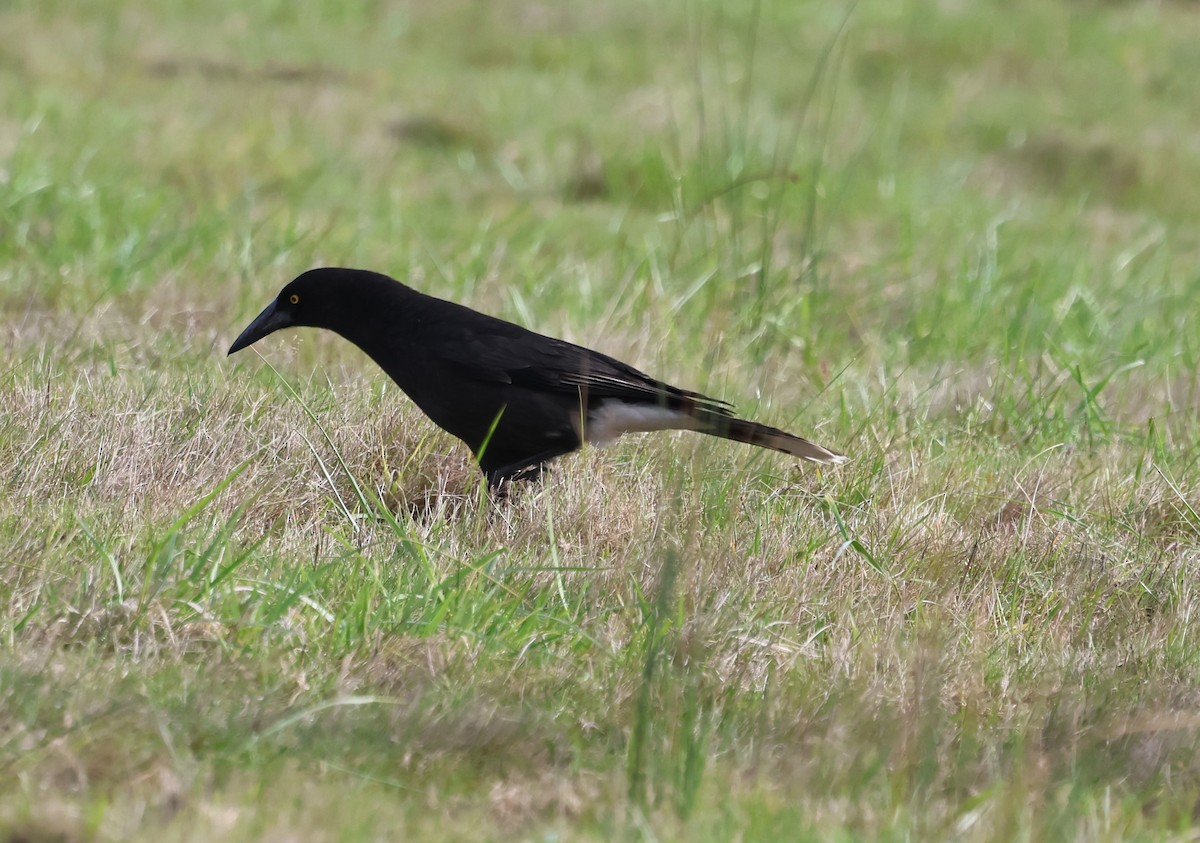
point(506, 353)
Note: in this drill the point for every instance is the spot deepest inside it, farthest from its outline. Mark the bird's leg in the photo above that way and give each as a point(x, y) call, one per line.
point(501, 480)
point(531, 468)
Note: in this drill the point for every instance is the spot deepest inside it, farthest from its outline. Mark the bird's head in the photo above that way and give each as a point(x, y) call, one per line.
point(318, 298)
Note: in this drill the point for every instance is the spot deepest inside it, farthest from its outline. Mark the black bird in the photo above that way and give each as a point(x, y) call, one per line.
point(516, 398)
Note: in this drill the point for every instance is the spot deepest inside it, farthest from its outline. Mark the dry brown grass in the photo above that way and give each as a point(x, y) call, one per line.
point(955, 615)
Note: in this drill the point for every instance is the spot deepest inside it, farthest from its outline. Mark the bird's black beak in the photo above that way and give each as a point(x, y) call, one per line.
point(267, 322)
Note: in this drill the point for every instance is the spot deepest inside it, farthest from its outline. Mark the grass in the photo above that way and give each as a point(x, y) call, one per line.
point(263, 598)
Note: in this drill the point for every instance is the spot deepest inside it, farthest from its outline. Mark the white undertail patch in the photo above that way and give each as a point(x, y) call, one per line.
point(615, 417)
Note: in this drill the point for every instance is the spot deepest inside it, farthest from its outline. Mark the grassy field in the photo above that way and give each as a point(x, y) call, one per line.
point(263, 598)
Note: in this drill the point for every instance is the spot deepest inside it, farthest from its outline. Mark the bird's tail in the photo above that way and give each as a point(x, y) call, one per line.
point(689, 411)
point(753, 433)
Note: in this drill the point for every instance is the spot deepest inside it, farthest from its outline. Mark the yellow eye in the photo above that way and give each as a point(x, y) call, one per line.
point(294, 299)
